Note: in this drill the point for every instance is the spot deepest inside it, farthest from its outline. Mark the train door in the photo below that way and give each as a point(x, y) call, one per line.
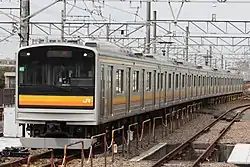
point(154, 89)
point(173, 86)
point(192, 85)
point(128, 79)
point(165, 88)
point(143, 90)
point(110, 90)
point(103, 109)
point(170, 87)
point(161, 95)
point(181, 88)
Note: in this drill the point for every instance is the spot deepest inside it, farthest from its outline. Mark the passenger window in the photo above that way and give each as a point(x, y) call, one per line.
point(176, 81)
point(188, 82)
point(165, 83)
point(136, 81)
point(158, 81)
point(183, 81)
point(194, 80)
point(199, 81)
point(149, 81)
point(162, 81)
point(119, 81)
point(169, 81)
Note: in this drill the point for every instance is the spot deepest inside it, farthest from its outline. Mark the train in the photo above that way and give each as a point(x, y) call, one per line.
point(68, 92)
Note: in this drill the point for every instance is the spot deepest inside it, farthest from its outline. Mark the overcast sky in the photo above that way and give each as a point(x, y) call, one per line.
point(120, 11)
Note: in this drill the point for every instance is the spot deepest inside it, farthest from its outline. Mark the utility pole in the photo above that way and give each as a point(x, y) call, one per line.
point(63, 19)
point(108, 28)
point(154, 32)
point(187, 35)
point(148, 18)
point(24, 23)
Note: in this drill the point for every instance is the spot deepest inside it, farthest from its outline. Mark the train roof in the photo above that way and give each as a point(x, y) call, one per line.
point(109, 49)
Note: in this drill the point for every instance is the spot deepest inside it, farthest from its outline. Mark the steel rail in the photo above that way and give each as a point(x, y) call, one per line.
point(16, 163)
point(25, 161)
point(60, 161)
point(211, 147)
point(187, 143)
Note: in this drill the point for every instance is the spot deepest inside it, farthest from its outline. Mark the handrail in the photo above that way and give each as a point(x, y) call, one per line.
point(137, 135)
point(142, 130)
point(105, 148)
point(34, 157)
point(64, 162)
point(154, 120)
point(113, 137)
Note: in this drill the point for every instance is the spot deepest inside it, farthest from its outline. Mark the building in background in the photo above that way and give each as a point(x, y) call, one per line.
point(10, 79)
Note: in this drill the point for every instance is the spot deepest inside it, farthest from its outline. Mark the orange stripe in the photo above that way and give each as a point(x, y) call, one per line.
point(45, 100)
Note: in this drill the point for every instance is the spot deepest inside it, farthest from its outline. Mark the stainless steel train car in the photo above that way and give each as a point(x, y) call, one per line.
point(68, 92)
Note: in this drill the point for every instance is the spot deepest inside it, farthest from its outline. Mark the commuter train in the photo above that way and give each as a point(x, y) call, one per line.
point(68, 92)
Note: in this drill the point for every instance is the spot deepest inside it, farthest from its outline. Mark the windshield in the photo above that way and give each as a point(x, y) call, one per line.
point(56, 70)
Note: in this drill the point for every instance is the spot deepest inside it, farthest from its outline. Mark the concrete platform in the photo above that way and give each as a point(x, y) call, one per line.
point(149, 152)
point(240, 155)
point(8, 142)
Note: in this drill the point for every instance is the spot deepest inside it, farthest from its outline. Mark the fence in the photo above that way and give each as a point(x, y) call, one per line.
point(7, 98)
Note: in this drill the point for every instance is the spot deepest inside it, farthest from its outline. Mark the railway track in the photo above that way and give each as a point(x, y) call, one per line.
point(184, 146)
point(33, 159)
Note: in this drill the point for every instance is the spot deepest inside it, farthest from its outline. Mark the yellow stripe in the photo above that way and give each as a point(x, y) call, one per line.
point(46, 100)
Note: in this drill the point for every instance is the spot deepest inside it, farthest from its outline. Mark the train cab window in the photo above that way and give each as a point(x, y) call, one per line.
point(169, 81)
point(56, 70)
point(119, 80)
point(176, 81)
point(149, 81)
point(136, 81)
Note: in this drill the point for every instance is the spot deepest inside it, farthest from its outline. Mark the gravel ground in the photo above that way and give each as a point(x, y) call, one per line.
point(238, 133)
point(123, 162)
point(11, 159)
point(212, 134)
point(178, 136)
point(189, 163)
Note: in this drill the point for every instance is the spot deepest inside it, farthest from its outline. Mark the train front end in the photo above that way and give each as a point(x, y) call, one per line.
point(56, 92)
